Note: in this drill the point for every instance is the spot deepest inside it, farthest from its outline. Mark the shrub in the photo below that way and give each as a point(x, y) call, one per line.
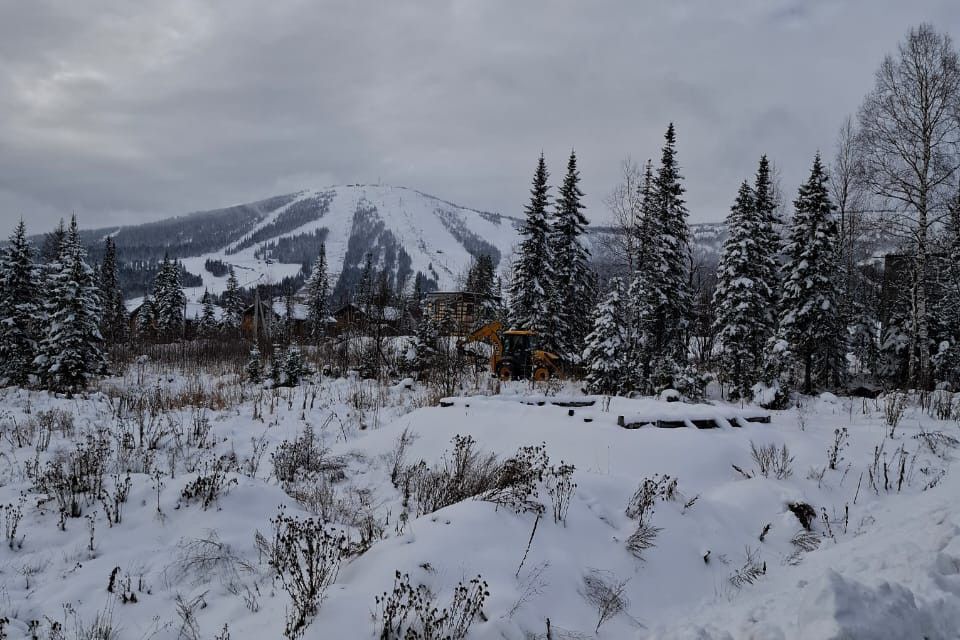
point(518, 479)
point(560, 488)
point(409, 613)
point(835, 453)
point(640, 507)
point(804, 512)
point(771, 460)
point(76, 477)
point(306, 555)
point(606, 592)
point(208, 485)
point(12, 514)
point(464, 473)
point(894, 405)
point(750, 572)
point(304, 455)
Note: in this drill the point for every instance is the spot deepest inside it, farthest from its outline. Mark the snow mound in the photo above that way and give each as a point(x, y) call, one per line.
point(841, 607)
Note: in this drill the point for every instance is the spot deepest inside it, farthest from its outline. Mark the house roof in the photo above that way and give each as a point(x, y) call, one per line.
point(299, 311)
point(459, 294)
point(389, 313)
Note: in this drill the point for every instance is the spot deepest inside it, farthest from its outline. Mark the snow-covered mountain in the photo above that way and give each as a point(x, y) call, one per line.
point(407, 232)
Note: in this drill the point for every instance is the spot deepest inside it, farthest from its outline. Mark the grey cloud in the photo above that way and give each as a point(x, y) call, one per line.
point(124, 112)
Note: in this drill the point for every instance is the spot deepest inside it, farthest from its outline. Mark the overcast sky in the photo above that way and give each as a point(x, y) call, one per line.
point(131, 111)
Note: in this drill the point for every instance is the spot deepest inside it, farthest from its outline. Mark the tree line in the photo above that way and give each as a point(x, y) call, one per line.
point(800, 302)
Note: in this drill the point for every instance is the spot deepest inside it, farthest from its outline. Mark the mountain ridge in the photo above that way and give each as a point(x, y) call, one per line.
point(406, 231)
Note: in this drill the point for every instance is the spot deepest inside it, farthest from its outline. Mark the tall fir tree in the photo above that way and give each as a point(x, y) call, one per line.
point(232, 302)
point(19, 309)
point(207, 326)
point(742, 297)
point(169, 301)
point(364, 292)
point(660, 290)
point(946, 360)
point(674, 251)
point(53, 244)
point(810, 321)
point(481, 280)
point(318, 296)
point(71, 350)
point(532, 280)
point(605, 355)
point(642, 297)
point(769, 242)
point(113, 324)
point(145, 321)
point(573, 287)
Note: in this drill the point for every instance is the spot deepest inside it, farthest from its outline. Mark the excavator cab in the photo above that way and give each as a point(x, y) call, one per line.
point(517, 360)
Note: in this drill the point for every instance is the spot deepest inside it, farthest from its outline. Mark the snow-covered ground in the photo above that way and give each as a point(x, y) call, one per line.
point(726, 560)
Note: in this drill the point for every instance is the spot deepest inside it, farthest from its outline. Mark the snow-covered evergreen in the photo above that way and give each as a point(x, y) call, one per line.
point(254, 367)
point(232, 303)
point(605, 355)
point(481, 280)
point(19, 308)
point(145, 321)
point(207, 326)
point(659, 292)
point(532, 279)
point(113, 325)
point(169, 301)
point(294, 367)
point(946, 359)
point(71, 350)
point(573, 287)
point(318, 296)
point(810, 321)
point(769, 243)
point(742, 296)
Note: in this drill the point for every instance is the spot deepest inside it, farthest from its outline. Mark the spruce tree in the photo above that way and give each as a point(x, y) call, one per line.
point(660, 292)
point(232, 303)
point(572, 288)
point(426, 345)
point(946, 360)
point(254, 366)
point(145, 319)
point(318, 296)
point(113, 325)
point(207, 326)
point(53, 244)
point(293, 366)
point(769, 243)
point(532, 280)
point(810, 321)
point(19, 309)
point(71, 350)
point(674, 253)
point(606, 352)
point(481, 280)
point(169, 301)
point(742, 297)
point(642, 296)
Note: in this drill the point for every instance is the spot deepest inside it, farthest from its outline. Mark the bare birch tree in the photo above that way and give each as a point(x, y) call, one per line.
point(909, 136)
point(624, 203)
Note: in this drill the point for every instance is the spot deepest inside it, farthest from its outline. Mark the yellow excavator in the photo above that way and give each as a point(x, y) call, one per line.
point(515, 354)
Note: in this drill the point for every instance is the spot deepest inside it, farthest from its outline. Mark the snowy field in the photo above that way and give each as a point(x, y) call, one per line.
point(711, 547)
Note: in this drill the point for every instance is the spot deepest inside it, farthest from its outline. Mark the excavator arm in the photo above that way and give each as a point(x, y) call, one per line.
point(487, 333)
